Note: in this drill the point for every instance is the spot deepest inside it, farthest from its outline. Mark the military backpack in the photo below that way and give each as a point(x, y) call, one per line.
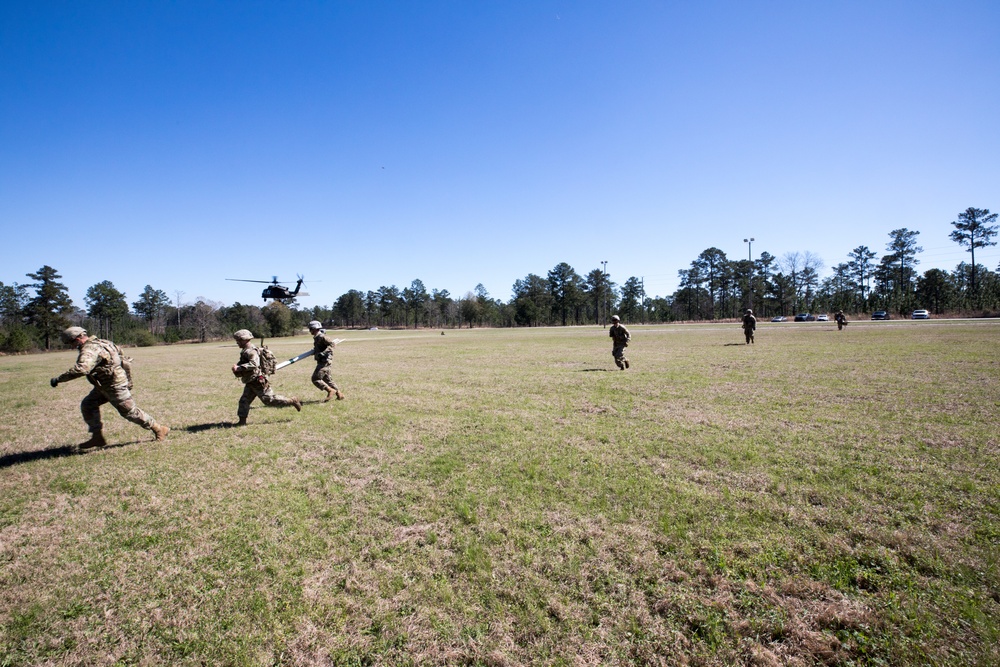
point(268, 362)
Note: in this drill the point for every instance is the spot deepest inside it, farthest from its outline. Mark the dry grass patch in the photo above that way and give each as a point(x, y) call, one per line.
point(509, 497)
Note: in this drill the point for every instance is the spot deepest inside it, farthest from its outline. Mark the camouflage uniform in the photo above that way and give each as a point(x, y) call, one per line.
point(255, 385)
point(323, 352)
point(620, 335)
point(841, 320)
point(749, 326)
point(109, 371)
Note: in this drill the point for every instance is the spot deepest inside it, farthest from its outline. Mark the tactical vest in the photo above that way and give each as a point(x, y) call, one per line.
point(108, 375)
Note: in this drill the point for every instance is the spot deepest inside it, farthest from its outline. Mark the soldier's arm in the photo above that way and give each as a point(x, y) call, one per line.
point(84, 364)
point(249, 364)
point(323, 350)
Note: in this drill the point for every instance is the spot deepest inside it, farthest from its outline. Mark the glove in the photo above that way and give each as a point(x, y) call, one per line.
point(54, 381)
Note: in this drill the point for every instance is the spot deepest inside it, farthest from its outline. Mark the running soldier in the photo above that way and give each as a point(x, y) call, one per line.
point(620, 335)
point(323, 352)
point(255, 384)
point(841, 320)
point(749, 325)
point(110, 372)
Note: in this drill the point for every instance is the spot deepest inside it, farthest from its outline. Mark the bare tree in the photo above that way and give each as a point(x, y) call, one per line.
point(203, 314)
point(791, 266)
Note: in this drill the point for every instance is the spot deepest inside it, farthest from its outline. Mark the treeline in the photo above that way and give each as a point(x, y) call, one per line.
point(32, 316)
point(712, 287)
point(562, 297)
point(716, 287)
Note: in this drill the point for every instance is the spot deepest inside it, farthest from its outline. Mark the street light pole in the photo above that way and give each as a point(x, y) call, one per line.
point(749, 243)
point(604, 289)
point(642, 299)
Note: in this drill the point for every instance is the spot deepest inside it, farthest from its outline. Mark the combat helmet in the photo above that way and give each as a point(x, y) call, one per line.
point(72, 333)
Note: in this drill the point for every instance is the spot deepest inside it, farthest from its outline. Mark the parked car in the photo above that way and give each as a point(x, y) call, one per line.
point(823, 318)
point(779, 318)
point(880, 315)
point(805, 317)
point(921, 314)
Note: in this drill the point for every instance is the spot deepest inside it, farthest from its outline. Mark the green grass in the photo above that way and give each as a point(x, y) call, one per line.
point(509, 497)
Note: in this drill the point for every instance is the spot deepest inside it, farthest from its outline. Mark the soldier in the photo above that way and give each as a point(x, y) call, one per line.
point(110, 371)
point(841, 320)
point(620, 335)
point(323, 352)
point(255, 384)
point(749, 325)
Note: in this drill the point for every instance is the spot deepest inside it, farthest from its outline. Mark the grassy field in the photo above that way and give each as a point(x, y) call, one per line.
point(509, 497)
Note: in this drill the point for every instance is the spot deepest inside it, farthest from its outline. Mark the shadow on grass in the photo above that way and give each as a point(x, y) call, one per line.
point(198, 428)
point(9, 460)
point(594, 370)
point(321, 401)
point(737, 344)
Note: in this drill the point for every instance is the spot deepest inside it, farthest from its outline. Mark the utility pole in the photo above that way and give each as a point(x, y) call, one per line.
point(179, 294)
point(604, 290)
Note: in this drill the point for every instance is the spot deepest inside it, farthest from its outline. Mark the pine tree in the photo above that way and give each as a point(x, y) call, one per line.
point(48, 310)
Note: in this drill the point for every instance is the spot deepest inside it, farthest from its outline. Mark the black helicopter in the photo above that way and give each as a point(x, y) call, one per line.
point(275, 290)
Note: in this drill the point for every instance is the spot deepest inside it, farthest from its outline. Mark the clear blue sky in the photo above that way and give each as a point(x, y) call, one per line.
point(369, 143)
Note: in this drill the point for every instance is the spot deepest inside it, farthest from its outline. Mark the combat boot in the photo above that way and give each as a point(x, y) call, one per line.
point(625, 361)
point(160, 431)
point(329, 395)
point(96, 440)
point(340, 395)
point(297, 404)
